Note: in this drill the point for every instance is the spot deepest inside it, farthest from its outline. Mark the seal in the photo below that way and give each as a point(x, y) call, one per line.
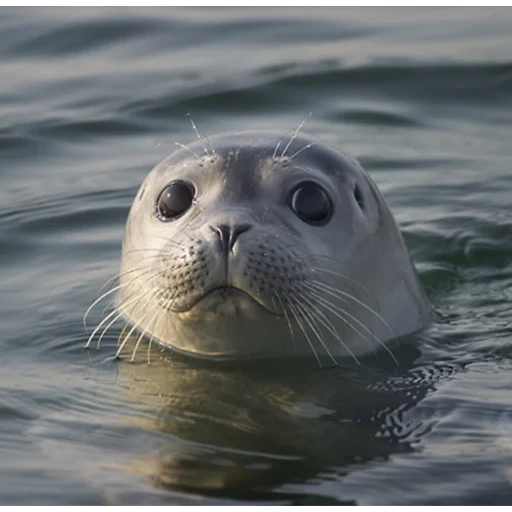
point(248, 245)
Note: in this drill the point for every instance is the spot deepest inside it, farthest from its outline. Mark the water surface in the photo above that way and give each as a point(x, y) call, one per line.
point(91, 99)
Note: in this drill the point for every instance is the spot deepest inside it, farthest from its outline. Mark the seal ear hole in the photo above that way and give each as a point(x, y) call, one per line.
point(358, 196)
point(174, 200)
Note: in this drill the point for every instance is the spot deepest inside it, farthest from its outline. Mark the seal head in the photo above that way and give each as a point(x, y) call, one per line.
point(259, 246)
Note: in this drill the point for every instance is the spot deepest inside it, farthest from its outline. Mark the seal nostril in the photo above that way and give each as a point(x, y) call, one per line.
point(228, 235)
point(236, 232)
point(223, 232)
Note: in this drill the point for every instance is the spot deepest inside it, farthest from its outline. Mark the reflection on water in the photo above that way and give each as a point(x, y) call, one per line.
point(91, 99)
point(242, 431)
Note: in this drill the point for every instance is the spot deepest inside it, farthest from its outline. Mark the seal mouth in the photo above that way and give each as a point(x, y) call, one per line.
point(225, 294)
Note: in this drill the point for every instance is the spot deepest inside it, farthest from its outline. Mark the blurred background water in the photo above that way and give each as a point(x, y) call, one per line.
point(91, 99)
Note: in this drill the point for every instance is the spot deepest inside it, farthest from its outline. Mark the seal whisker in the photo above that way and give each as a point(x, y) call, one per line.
point(98, 327)
point(151, 341)
point(84, 319)
point(127, 337)
point(142, 336)
point(287, 320)
point(170, 240)
point(143, 272)
point(118, 275)
point(113, 278)
point(274, 154)
point(336, 293)
point(153, 324)
point(338, 312)
point(209, 142)
point(346, 278)
point(188, 149)
point(113, 321)
point(137, 325)
point(131, 300)
point(314, 327)
point(275, 149)
point(329, 306)
point(328, 325)
point(151, 249)
point(299, 323)
point(194, 127)
point(307, 146)
point(140, 275)
point(295, 134)
point(105, 330)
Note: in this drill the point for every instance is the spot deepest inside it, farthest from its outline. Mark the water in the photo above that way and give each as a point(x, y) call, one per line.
point(91, 99)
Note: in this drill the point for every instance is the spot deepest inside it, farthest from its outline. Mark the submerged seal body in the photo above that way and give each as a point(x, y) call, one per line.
point(255, 245)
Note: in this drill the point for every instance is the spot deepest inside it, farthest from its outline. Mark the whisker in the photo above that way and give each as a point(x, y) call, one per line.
point(136, 325)
point(194, 127)
point(297, 319)
point(307, 146)
point(329, 306)
point(141, 275)
point(153, 324)
point(335, 293)
point(144, 271)
point(312, 324)
point(344, 277)
point(130, 300)
point(127, 337)
point(295, 134)
point(188, 149)
point(167, 239)
point(328, 325)
point(98, 327)
point(275, 149)
point(84, 319)
point(121, 314)
point(287, 320)
point(274, 154)
point(117, 317)
point(209, 142)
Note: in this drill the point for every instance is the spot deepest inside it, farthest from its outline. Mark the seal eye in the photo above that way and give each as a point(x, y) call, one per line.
point(311, 203)
point(175, 200)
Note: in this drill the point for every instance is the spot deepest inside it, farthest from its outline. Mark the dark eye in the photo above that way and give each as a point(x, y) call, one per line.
point(175, 200)
point(311, 203)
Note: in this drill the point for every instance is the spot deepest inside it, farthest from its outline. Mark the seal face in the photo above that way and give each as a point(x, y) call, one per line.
point(261, 246)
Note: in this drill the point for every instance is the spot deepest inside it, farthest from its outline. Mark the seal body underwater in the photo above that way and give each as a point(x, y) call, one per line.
point(252, 245)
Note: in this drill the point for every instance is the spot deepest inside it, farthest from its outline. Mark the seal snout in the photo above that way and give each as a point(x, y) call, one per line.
point(228, 235)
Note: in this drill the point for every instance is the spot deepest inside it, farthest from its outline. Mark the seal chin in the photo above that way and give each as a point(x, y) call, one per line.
point(227, 323)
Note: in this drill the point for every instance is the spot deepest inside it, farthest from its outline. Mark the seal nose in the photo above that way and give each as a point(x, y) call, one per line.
point(228, 234)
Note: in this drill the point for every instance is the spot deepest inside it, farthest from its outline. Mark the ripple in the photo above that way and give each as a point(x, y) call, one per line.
point(90, 99)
